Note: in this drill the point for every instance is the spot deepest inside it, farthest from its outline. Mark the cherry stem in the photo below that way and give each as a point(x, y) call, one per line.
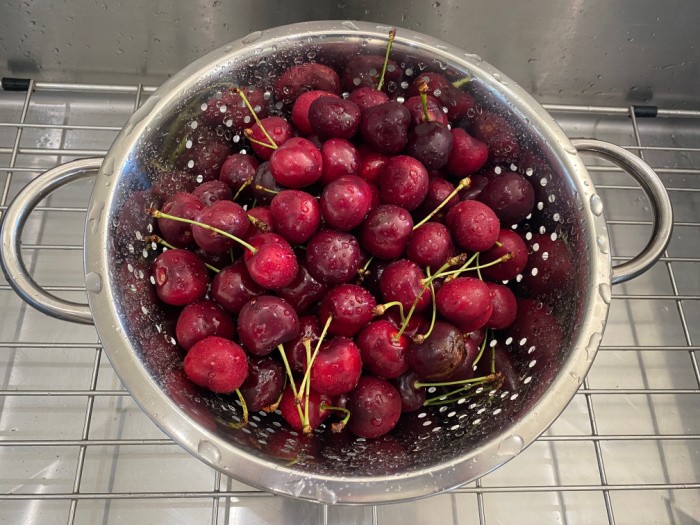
point(493, 359)
point(255, 116)
point(249, 135)
point(244, 406)
point(445, 399)
point(499, 244)
point(291, 379)
point(271, 408)
point(313, 357)
point(464, 183)
point(263, 188)
point(163, 242)
point(459, 83)
point(363, 271)
point(481, 379)
point(340, 425)
point(160, 215)
point(423, 92)
point(392, 35)
point(381, 308)
point(454, 273)
point(260, 225)
point(450, 262)
point(481, 350)
point(478, 268)
point(419, 339)
point(307, 347)
point(243, 186)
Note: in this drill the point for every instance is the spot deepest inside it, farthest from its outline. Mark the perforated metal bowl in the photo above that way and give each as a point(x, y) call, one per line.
point(430, 451)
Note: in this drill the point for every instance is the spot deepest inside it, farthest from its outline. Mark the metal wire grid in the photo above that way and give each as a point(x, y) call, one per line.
point(79, 498)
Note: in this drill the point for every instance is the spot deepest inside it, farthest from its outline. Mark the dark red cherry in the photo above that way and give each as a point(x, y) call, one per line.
point(226, 216)
point(345, 202)
point(476, 186)
point(506, 270)
point(431, 144)
point(417, 324)
point(351, 307)
point(364, 71)
point(180, 277)
point(296, 164)
point(280, 131)
point(403, 181)
point(473, 225)
point(468, 154)
point(412, 398)
point(439, 354)
point(300, 111)
point(295, 349)
point(202, 319)
point(216, 364)
point(386, 231)
point(290, 409)
point(465, 302)
point(333, 117)
point(264, 222)
point(337, 367)
point(402, 281)
point(186, 206)
point(333, 257)
point(239, 169)
point(383, 354)
point(210, 192)
point(304, 291)
point(510, 196)
point(265, 322)
point(438, 190)
point(367, 97)
point(340, 158)
point(371, 164)
point(435, 112)
point(306, 77)
point(375, 406)
point(385, 127)
point(265, 187)
point(430, 246)
point(227, 108)
point(504, 307)
point(203, 161)
point(233, 287)
point(498, 134)
point(263, 386)
point(296, 215)
point(274, 264)
point(550, 267)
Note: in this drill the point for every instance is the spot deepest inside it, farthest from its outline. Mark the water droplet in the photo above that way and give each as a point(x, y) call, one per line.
point(602, 242)
point(253, 37)
point(605, 292)
point(569, 148)
point(347, 24)
point(95, 216)
point(209, 451)
point(474, 57)
point(596, 205)
point(593, 344)
point(510, 446)
point(497, 76)
point(93, 282)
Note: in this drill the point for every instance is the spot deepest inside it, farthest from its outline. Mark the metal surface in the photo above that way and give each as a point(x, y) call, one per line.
point(562, 51)
point(625, 451)
point(14, 220)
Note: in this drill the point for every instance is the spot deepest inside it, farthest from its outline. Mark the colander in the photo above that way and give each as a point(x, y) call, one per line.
point(431, 450)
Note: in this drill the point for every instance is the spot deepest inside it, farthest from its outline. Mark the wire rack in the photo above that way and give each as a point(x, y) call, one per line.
point(75, 448)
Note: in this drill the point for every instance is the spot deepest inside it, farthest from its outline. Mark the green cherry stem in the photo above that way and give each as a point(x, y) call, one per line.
point(163, 242)
point(313, 357)
point(381, 308)
point(478, 268)
point(392, 35)
point(481, 379)
point(244, 406)
point(454, 273)
point(464, 183)
point(249, 135)
point(243, 186)
point(263, 188)
point(423, 92)
point(160, 215)
point(260, 225)
point(481, 350)
point(459, 83)
point(283, 355)
point(307, 347)
point(240, 93)
point(340, 425)
point(419, 339)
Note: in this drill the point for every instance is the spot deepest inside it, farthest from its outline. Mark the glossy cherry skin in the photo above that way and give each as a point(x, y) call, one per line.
point(265, 223)
point(296, 215)
point(265, 322)
point(237, 170)
point(333, 257)
point(385, 127)
point(438, 190)
point(233, 287)
point(351, 307)
point(375, 405)
point(511, 243)
point(465, 302)
point(300, 110)
point(494, 130)
point(337, 367)
point(306, 77)
point(431, 144)
point(468, 154)
point(371, 164)
point(439, 354)
point(403, 181)
point(296, 164)
point(386, 231)
point(510, 196)
point(279, 130)
point(504, 307)
point(435, 112)
point(226, 216)
point(402, 281)
point(184, 205)
point(458, 103)
point(304, 292)
point(412, 398)
point(263, 386)
point(333, 117)
point(180, 277)
point(216, 364)
point(210, 192)
point(465, 370)
point(340, 158)
point(383, 354)
point(367, 97)
point(345, 202)
point(430, 246)
point(273, 265)
point(473, 225)
point(290, 410)
point(202, 319)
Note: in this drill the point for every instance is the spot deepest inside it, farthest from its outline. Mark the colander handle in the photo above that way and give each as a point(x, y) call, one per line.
point(657, 195)
point(11, 234)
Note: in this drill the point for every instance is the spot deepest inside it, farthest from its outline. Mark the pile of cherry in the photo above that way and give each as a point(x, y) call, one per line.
point(355, 260)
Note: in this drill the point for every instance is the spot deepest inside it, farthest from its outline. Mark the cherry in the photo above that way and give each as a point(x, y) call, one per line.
point(474, 226)
point(263, 386)
point(185, 205)
point(296, 215)
point(510, 196)
point(350, 306)
point(238, 170)
point(333, 257)
point(364, 71)
point(230, 107)
point(383, 353)
point(304, 291)
point(226, 216)
point(477, 185)
point(439, 354)
point(458, 103)
point(386, 231)
point(265, 186)
point(205, 160)
point(402, 281)
point(430, 245)
point(345, 202)
point(385, 127)
point(438, 190)
point(210, 192)
point(274, 264)
point(202, 319)
point(376, 199)
point(417, 324)
point(333, 117)
point(465, 302)
point(289, 409)
point(431, 144)
point(504, 307)
point(337, 367)
point(435, 112)
point(279, 130)
point(465, 370)
point(403, 181)
point(412, 398)
point(367, 97)
point(296, 164)
point(265, 322)
point(300, 110)
point(375, 406)
point(306, 77)
point(468, 154)
point(498, 134)
point(371, 163)
point(180, 277)
point(233, 287)
point(263, 223)
point(216, 364)
point(510, 242)
point(340, 157)
point(295, 349)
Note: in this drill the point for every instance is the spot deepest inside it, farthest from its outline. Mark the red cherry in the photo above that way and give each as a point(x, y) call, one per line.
point(337, 367)
point(351, 307)
point(333, 257)
point(474, 226)
point(180, 277)
point(216, 364)
point(183, 205)
point(402, 281)
point(202, 319)
point(504, 307)
point(506, 270)
point(265, 322)
point(274, 264)
point(468, 154)
point(465, 302)
point(430, 245)
point(340, 158)
point(233, 287)
point(300, 110)
point(375, 406)
point(382, 353)
point(345, 202)
point(289, 408)
point(297, 164)
point(296, 215)
point(279, 130)
point(386, 231)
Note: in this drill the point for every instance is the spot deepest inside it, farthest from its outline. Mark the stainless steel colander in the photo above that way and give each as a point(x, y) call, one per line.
point(431, 450)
